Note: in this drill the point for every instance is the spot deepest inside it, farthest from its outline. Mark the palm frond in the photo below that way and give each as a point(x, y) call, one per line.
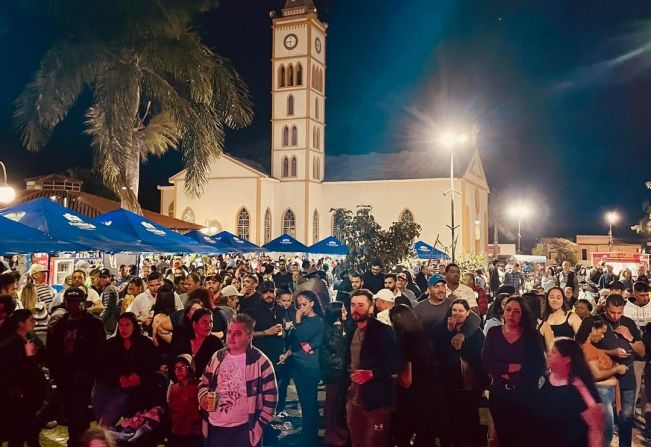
point(162, 132)
point(232, 101)
point(33, 134)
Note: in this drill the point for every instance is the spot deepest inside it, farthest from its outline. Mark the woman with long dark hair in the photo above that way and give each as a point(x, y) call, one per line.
point(463, 376)
point(563, 322)
point(308, 338)
point(417, 382)
point(514, 358)
point(566, 395)
point(201, 344)
point(163, 308)
point(129, 361)
point(332, 359)
point(496, 311)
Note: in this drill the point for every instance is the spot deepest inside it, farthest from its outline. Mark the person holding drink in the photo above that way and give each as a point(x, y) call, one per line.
point(238, 389)
point(373, 360)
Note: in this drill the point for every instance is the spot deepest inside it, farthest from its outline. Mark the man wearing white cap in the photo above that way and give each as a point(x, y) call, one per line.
point(384, 301)
point(44, 292)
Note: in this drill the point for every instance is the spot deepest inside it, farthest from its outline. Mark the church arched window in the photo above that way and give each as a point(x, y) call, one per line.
point(318, 169)
point(290, 105)
point(281, 76)
point(289, 223)
point(294, 165)
point(299, 74)
point(285, 136)
point(188, 215)
point(285, 167)
point(290, 75)
point(319, 80)
point(315, 227)
point(243, 224)
point(314, 136)
point(313, 167)
point(294, 136)
point(318, 138)
point(313, 77)
point(407, 216)
point(316, 108)
point(170, 209)
point(267, 225)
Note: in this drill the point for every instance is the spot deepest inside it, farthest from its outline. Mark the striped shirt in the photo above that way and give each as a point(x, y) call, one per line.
point(261, 388)
point(45, 294)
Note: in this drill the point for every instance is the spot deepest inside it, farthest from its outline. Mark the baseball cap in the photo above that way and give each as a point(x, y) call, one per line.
point(401, 276)
point(386, 295)
point(105, 273)
point(617, 285)
point(230, 291)
point(266, 286)
point(74, 293)
point(435, 279)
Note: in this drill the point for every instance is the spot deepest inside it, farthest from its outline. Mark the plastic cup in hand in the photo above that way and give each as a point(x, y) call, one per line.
point(211, 401)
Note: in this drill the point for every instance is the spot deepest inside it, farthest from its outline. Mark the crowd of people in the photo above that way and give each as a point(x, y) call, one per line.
point(203, 355)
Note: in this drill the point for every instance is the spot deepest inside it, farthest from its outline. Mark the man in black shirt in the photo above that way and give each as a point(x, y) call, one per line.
point(621, 341)
point(282, 278)
point(250, 295)
point(374, 279)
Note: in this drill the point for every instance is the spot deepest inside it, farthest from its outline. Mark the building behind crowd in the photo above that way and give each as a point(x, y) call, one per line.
point(303, 184)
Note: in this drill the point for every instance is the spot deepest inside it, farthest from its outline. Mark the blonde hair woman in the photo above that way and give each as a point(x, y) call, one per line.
point(28, 296)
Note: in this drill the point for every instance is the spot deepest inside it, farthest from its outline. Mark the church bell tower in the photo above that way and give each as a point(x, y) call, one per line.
point(298, 93)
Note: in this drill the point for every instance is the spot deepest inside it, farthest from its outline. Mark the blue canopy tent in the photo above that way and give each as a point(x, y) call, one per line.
point(218, 246)
point(328, 246)
point(236, 244)
point(151, 233)
point(285, 244)
point(18, 238)
point(63, 224)
point(426, 251)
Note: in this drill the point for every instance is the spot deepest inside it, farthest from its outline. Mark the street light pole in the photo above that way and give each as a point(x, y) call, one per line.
point(519, 235)
point(611, 218)
point(452, 226)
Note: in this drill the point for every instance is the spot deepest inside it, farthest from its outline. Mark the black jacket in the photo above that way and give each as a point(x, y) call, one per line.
point(333, 352)
point(380, 353)
point(449, 358)
point(141, 358)
point(75, 346)
point(421, 282)
point(372, 282)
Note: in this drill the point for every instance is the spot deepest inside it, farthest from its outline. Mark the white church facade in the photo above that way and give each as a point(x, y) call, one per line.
point(304, 183)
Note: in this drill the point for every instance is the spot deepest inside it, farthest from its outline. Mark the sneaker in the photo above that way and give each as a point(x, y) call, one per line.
point(282, 415)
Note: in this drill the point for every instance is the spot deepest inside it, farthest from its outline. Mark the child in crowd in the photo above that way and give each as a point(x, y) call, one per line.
point(184, 406)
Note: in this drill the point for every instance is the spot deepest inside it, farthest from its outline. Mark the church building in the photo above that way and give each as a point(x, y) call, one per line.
point(304, 183)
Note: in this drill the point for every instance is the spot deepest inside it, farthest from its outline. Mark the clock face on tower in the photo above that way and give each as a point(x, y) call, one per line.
point(290, 41)
point(317, 45)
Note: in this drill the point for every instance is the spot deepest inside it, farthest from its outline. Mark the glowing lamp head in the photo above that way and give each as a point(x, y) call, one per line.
point(520, 210)
point(612, 217)
point(7, 194)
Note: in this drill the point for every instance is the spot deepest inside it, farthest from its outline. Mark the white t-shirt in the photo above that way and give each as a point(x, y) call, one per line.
point(465, 292)
point(143, 303)
point(232, 409)
point(641, 315)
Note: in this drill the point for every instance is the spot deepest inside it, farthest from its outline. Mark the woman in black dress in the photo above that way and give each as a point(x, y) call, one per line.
point(201, 344)
point(514, 358)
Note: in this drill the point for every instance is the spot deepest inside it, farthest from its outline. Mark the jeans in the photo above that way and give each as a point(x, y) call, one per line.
point(228, 436)
point(109, 403)
point(625, 418)
point(333, 409)
point(283, 376)
point(370, 428)
point(307, 382)
point(607, 396)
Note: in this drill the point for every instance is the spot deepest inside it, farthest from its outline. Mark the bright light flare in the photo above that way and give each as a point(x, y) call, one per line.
point(612, 217)
point(449, 139)
point(520, 211)
point(7, 194)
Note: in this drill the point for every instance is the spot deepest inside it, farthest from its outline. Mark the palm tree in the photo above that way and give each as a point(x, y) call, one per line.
point(155, 87)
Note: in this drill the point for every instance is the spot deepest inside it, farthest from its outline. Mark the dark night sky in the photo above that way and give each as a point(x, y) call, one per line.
point(561, 92)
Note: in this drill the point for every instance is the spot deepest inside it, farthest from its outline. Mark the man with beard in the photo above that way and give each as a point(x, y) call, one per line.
point(373, 359)
point(268, 335)
point(374, 278)
point(391, 283)
point(282, 278)
point(250, 296)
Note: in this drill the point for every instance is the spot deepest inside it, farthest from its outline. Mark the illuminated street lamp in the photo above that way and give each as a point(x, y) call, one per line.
point(520, 211)
point(611, 217)
point(7, 193)
point(450, 140)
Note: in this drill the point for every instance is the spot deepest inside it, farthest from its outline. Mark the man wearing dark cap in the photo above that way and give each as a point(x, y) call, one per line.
point(268, 335)
point(109, 297)
point(74, 346)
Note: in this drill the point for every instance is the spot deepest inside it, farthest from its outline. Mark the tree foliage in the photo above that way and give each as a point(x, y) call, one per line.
point(155, 87)
point(559, 249)
point(368, 242)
